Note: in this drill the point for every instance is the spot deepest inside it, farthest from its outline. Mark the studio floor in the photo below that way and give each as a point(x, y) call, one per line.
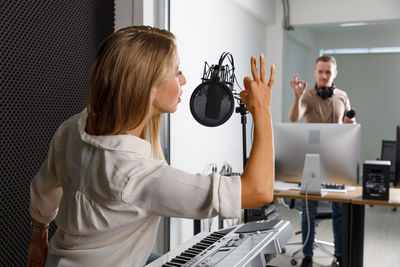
point(381, 238)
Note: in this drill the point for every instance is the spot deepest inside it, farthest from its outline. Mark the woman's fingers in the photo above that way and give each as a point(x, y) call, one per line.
point(246, 82)
point(272, 77)
point(263, 74)
point(243, 97)
point(254, 69)
point(263, 71)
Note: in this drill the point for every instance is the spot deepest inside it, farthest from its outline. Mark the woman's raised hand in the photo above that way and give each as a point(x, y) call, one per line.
point(257, 93)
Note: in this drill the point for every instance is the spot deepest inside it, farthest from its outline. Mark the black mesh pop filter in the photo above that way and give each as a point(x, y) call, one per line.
point(212, 102)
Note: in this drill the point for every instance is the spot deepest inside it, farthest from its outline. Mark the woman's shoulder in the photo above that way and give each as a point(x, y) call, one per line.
point(68, 123)
point(132, 165)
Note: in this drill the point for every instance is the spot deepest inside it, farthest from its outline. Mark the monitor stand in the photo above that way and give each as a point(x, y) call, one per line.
point(311, 178)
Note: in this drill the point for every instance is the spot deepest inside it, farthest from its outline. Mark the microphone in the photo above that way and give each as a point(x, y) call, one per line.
point(214, 94)
point(212, 102)
point(351, 113)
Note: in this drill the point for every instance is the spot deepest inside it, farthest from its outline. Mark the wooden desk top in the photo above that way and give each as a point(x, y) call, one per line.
point(354, 197)
point(330, 196)
point(329, 180)
point(394, 199)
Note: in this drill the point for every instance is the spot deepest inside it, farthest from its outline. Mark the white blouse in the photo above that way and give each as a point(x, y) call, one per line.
point(107, 195)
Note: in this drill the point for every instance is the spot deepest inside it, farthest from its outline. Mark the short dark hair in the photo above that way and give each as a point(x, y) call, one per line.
point(326, 58)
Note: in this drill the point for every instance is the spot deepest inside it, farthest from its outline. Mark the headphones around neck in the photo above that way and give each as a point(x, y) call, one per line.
point(325, 92)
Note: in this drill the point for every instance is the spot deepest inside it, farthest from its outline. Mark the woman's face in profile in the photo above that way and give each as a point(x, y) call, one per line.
point(167, 94)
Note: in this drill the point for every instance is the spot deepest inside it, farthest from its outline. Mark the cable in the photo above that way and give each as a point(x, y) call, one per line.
point(283, 203)
point(213, 167)
point(308, 217)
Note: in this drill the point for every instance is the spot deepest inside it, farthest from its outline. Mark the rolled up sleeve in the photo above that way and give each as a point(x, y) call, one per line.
point(46, 191)
point(230, 200)
point(177, 193)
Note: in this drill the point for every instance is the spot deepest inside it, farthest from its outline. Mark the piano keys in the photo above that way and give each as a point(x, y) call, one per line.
point(252, 244)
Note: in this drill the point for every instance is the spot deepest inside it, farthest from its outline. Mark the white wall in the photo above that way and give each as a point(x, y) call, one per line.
point(370, 80)
point(308, 12)
point(262, 10)
point(364, 36)
point(275, 47)
point(371, 83)
point(199, 40)
point(297, 60)
point(204, 30)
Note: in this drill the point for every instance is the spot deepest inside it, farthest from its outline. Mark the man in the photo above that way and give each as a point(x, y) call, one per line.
point(322, 104)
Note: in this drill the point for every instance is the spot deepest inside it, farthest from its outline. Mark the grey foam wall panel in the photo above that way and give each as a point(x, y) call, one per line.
point(46, 52)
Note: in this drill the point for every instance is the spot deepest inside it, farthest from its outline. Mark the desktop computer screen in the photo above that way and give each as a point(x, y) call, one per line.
point(337, 144)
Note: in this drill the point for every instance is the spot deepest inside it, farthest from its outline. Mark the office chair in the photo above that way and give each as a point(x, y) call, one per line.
point(324, 211)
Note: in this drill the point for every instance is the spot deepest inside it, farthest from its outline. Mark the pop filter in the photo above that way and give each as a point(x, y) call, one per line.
point(212, 102)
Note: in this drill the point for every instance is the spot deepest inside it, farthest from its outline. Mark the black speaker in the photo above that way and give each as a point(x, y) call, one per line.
point(376, 179)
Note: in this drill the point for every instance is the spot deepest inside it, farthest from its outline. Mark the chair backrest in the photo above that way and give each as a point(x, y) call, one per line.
point(324, 210)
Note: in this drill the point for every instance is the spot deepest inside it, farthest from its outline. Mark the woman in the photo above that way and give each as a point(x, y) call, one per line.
point(105, 180)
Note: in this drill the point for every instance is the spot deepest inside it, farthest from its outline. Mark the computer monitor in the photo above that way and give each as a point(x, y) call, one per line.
point(337, 144)
point(388, 152)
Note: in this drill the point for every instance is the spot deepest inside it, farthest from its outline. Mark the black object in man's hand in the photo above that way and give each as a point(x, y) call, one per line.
point(351, 113)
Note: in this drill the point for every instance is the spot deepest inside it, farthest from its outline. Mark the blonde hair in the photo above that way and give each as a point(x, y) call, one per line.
point(129, 64)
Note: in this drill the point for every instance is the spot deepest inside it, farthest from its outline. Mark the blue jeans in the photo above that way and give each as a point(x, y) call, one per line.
point(337, 216)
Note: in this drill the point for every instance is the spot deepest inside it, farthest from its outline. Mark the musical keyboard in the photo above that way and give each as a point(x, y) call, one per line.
point(252, 244)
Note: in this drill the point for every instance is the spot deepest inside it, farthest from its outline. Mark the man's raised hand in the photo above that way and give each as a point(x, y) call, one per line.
point(298, 86)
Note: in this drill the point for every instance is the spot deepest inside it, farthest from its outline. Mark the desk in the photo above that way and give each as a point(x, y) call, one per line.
point(353, 218)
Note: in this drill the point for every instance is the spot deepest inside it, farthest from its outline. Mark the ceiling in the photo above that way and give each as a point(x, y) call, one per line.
point(387, 25)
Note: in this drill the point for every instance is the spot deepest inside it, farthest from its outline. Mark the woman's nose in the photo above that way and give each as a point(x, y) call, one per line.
point(183, 79)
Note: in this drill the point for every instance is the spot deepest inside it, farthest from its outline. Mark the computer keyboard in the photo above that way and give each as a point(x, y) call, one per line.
point(333, 187)
point(326, 187)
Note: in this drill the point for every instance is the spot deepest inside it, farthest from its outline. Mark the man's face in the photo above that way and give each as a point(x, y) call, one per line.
point(325, 73)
